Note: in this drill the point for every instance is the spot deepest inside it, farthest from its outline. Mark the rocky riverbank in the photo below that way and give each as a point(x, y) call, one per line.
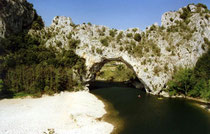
point(199, 102)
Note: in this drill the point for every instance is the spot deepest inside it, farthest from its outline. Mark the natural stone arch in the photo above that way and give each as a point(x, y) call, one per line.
point(155, 57)
point(96, 67)
point(161, 50)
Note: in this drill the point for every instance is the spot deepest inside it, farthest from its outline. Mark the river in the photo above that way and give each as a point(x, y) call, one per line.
point(149, 114)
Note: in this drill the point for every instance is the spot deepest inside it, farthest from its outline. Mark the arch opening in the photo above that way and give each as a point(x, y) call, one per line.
point(114, 72)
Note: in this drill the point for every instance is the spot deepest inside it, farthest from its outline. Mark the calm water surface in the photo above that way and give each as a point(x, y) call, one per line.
point(150, 115)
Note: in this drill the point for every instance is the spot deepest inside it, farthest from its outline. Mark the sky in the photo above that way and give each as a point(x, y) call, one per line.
point(119, 14)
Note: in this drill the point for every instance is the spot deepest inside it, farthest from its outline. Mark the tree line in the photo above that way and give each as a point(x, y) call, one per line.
point(28, 66)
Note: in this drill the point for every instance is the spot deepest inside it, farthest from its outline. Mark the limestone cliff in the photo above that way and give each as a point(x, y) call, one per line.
point(15, 15)
point(154, 54)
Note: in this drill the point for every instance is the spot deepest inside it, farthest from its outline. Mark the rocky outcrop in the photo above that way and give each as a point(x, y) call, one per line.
point(15, 15)
point(154, 56)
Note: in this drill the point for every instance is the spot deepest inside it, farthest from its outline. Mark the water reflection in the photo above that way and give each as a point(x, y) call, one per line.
point(150, 115)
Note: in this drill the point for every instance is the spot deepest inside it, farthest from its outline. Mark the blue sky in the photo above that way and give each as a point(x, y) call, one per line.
point(119, 14)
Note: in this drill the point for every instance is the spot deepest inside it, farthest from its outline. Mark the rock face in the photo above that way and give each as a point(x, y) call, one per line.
point(154, 57)
point(15, 15)
point(154, 54)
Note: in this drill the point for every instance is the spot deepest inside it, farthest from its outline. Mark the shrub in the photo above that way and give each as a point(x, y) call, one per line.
point(73, 43)
point(112, 33)
point(207, 16)
point(121, 48)
point(119, 36)
point(203, 46)
point(188, 36)
point(166, 67)
point(99, 51)
point(168, 48)
point(133, 43)
point(93, 49)
point(101, 32)
point(146, 69)
point(172, 92)
point(137, 37)
point(153, 27)
point(129, 35)
point(69, 36)
point(146, 49)
point(105, 42)
point(162, 28)
point(138, 51)
point(50, 131)
point(207, 41)
point(156, 70)
point(89, 24)
point(73, 25)
point(185, 14)
point(144, 62)
point(58, 43)
point(103, 29)
point(134, 30)
point(201, 5)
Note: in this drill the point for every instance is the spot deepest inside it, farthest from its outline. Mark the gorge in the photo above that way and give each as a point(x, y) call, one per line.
point(154, 54)
point(171, 60)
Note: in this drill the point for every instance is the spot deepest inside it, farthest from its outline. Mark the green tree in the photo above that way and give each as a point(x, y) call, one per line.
point(1, 85)
point(205, 91)
point(182, 81)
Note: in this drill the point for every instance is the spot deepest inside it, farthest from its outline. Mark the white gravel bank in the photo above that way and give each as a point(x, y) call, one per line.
point(66, 113)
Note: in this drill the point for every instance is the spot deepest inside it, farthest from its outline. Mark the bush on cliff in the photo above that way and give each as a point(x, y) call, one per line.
point(137, 37)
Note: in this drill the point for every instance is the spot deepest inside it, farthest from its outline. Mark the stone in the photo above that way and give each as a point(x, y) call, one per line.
point(15, 15)
point(184, 55)
point(164, 94)
point(164, 49)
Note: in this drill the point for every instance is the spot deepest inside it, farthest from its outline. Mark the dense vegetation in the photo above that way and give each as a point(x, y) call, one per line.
point(114, 71)
point(193, 82)
point(28, 67)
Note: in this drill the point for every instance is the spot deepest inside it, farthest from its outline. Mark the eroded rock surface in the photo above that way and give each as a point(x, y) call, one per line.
point(159, 52)
point(15, 15)
point(154, 54)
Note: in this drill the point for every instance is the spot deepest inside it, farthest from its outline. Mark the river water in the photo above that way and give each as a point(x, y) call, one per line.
point(150, 114)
